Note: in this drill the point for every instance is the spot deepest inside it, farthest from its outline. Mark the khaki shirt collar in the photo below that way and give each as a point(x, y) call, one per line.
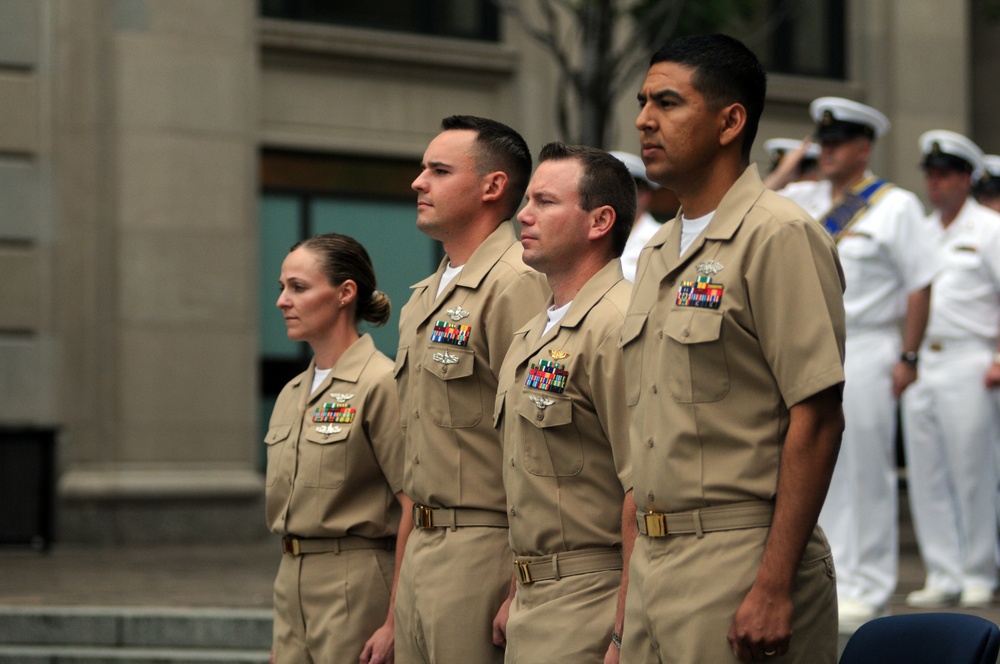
point(348, 368)
point(728, 218)
point(585, 300)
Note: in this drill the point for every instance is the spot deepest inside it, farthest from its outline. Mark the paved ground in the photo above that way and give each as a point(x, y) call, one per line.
point(237, 576)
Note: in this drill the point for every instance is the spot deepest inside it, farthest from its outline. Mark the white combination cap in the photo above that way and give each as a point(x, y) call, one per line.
point(838, 119)
point(778, 147)
point(635, 166)
point(948, 149)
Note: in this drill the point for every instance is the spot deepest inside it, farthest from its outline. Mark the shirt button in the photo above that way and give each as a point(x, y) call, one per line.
point(661, 334)
point(540, 416)
point(654, 389)
point(651, 496)
point(444, 370)
point(416, 414)
point(418, 367)
point(686, 333)
point(512, 461)
point(416, 460)
point(670, 283)
point(650, 443)
point(513, 512)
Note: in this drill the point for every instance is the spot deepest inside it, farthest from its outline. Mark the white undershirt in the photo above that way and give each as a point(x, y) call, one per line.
point(555, 315)
point(447, 277)
point(692, 228)
point(319, 377)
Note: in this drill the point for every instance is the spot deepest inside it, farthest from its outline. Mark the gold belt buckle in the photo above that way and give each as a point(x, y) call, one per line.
point(523, 573)
point(656, 524)
point(937, 346)
point(423, 517)
point(291, 545)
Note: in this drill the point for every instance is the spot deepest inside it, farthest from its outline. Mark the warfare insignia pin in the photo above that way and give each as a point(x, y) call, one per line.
point(341, 397)
point(558, 354)
point(541, 402)
point(457, 313)
point(708, 267)
point(328, 429)
point(445, 358)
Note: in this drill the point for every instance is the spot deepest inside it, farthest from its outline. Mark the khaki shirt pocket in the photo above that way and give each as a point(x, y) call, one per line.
point(275, 439)
point(632, 354)
point(551, 445)
point(695, 356)
point(323, 462)
point(452, 391)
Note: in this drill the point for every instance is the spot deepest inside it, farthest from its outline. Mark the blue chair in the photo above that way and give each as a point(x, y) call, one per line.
point(924, 638)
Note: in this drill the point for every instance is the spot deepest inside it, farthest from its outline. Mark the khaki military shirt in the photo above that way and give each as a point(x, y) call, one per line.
point(720, 343)
point(561, 411)
point(335, 457)
point(450, 351)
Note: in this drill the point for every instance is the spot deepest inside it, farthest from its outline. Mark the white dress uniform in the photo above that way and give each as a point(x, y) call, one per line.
point(951, 420)
point(886, 255)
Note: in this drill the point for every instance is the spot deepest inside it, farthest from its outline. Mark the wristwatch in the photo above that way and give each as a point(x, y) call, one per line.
point(911, 357)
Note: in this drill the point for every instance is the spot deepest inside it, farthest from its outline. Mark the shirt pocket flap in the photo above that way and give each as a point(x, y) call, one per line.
point(694, 327)
point(326, 434)
point(545, 410)
point(631, 328)
point(277, 433)
point(449, 363)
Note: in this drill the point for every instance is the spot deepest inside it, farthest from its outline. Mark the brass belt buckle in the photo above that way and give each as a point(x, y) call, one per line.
point(291, 545)
point(523, 573)
point(423, 517)
point(656, 524)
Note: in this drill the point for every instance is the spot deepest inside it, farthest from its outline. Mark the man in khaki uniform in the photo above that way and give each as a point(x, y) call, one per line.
point(454, 333)
point(561, 411)
point(733, 349)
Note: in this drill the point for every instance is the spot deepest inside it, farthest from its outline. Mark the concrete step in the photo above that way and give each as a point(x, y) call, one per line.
point(90, 655)
point(64, 635)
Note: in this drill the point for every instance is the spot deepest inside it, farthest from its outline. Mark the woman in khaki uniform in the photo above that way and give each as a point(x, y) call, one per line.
point(335, 465)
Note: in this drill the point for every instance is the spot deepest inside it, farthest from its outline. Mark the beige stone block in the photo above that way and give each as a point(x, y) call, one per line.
point(19, 199)
point(215, 21)
point(340, 108)
point(186, 392)
point(19, 112)
point(27, 373)
point(201, 280)
point(21, 295)
point(180, 182)
point(19, 28)
point(179, 84)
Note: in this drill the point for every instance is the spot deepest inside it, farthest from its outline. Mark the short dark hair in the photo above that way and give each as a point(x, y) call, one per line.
point(725, 72)
point(498, 148)
point(341, 257)
point(605, 181)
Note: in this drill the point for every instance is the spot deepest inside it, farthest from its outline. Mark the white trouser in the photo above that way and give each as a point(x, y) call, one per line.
point(952, 431)
point(859, 515)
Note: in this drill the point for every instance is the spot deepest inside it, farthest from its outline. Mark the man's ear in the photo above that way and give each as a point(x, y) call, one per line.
point(494, 186)
point(733, 119)
point(602, 220)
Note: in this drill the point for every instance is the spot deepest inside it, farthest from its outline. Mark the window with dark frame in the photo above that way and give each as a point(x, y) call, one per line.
point(466, 19)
